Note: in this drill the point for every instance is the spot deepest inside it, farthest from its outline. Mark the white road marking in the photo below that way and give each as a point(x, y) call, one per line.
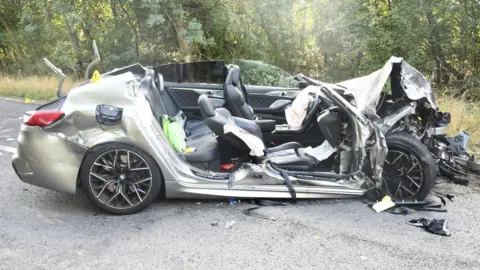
point(8, 149)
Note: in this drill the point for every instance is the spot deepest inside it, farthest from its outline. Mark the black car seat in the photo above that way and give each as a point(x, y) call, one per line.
point(235, 99)
point(205, 144)
point(193, 128)
point(288, 156)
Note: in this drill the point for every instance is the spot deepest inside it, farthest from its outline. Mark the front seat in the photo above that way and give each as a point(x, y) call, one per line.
point(235, 99)
point(289, 156)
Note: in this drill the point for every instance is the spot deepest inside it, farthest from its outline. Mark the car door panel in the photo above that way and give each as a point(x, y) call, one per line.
point(270, 102)
point(186, 96)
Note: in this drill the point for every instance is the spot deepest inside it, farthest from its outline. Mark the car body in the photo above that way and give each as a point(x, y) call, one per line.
point(64, 144)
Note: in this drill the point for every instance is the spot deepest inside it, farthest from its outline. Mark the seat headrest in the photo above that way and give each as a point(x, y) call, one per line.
point(235, 75)
point(150, 73)
point(146, 82)
point(206, 106)
point(161, 85)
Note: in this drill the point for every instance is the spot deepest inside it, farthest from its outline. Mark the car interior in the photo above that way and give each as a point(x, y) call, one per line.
point(215, 107)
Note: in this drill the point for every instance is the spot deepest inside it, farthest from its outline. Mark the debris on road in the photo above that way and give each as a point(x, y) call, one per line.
point(435, 226)
point(383, 205)
point(198, 203)
point(232, 202)
point(215, 223)
point(229, 224)
point(10, 139)
point(249, 212)
point(407, 207)
point(260, 203)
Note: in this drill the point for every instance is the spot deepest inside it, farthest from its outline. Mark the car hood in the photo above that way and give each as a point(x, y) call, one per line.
point(367, 90)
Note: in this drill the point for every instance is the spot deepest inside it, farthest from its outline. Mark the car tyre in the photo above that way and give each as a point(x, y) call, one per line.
point(404, 146)
point(116, 172)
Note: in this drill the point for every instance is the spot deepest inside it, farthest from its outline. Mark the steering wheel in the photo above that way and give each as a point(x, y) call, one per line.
point(311, 110)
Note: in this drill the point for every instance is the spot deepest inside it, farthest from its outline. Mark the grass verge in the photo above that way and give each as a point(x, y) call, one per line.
point(33, 87)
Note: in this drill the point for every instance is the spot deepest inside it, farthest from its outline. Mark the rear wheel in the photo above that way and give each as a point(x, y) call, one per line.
point(120, 179)
point(409, 171)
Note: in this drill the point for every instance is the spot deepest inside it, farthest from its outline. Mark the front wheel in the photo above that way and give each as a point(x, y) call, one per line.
point(409, 171)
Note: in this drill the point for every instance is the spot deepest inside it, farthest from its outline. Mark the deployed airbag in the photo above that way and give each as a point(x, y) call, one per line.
point(253, 142)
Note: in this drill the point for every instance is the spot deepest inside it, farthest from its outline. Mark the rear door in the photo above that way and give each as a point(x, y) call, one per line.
point(185, 83)
point(270, 90)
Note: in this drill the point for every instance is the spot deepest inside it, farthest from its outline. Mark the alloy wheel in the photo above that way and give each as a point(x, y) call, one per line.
point(403, 174)
point(120, 179)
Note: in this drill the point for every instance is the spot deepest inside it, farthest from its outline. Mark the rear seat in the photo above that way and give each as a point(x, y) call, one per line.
point(198, 135)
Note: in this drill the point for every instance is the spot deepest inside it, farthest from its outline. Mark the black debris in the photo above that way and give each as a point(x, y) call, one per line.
point(435, 226)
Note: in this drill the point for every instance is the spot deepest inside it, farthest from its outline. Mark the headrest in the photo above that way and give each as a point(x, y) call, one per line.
point(206, 106)
point(146, 82)
point(150, 73)
point(235, 75)
point(161, 86)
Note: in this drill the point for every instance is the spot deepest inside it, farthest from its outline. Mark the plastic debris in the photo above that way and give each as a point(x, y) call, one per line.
point(384, 204)
point(218, 204)
point(363, 258)
point(198, 203)
point(232, 202)
point(215, 223)
point(28, 100)
point(10, 139)
point(435, 226)
point(229, 224)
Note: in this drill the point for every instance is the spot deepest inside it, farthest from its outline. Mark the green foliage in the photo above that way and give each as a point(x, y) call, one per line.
point(331, 40)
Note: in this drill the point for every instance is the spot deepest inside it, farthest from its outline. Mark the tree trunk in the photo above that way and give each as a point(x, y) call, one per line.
point(133, 25)
point(74, 39)
point(12, 35)
point(181, 29)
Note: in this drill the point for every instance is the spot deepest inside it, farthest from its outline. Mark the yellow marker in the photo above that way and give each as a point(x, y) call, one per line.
point(28, 100)
point(420, 118)
point(96, 76)
point(189, 149)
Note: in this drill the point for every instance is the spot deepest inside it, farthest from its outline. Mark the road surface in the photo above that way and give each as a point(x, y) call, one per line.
point(43, 229)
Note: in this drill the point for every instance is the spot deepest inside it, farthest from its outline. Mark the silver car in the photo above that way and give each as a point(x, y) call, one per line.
point(108, 138)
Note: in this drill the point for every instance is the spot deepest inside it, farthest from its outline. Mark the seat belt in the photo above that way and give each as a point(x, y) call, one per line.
point(285, 177)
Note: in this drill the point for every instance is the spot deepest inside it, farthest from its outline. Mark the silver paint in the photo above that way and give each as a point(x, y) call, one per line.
point(51, 157)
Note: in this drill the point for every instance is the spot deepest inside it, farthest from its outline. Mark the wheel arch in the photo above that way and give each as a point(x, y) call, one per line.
point(129, 143)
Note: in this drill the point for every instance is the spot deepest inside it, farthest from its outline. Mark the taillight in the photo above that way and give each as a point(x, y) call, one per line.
point(42, 118)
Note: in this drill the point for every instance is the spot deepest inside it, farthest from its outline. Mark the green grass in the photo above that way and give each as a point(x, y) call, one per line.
point(33, 87)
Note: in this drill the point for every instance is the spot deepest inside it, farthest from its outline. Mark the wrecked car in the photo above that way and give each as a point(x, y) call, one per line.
point(137, 133)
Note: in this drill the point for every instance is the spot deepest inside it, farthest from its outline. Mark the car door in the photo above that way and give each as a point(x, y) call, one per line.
point(269, 89)
point(185, 82)
point(270, 102)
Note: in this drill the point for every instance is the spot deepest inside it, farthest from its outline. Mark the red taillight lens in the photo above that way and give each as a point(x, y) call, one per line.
point(43, 118)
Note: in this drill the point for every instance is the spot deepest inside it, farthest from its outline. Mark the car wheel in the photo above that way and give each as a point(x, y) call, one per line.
point(120, 179)
point(409, 171)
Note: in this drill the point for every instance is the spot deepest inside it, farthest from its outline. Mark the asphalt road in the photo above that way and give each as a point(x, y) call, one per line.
point(42, 229)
